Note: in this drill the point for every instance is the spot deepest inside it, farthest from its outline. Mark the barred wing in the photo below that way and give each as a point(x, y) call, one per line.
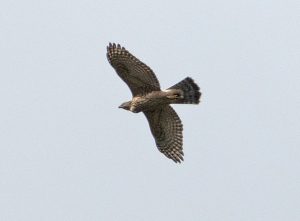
point(166, 128)
point(137, 75)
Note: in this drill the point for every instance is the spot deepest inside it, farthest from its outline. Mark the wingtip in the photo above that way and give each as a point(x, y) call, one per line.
point(114, 45)
point(178, 160)
point(111, 45)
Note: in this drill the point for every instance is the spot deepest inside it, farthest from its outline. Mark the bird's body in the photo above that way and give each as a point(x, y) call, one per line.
point(152, 100)
point(165, 125)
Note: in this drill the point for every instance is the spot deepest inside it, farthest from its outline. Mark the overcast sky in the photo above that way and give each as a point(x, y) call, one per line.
point(68, 153)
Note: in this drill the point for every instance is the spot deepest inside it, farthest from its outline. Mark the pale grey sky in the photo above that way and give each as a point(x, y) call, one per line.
point(68, 153)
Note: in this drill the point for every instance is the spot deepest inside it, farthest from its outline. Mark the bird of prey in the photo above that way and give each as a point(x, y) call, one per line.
point(147, 97)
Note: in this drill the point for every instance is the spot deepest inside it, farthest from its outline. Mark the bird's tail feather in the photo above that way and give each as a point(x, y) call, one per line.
point(191, 91)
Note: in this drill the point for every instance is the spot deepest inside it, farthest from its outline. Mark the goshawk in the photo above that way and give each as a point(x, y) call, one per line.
point(147, 97)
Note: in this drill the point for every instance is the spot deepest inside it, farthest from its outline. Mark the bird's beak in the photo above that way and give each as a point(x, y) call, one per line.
point(122, 105)
point(125, 105)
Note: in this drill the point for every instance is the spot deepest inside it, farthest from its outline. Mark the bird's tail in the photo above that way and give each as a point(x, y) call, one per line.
point(191, 91)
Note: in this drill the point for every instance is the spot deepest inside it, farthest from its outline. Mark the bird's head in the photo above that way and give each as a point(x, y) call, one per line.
point(126, 105)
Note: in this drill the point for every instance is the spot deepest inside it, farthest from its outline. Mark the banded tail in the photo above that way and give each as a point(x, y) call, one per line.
point(191, 91)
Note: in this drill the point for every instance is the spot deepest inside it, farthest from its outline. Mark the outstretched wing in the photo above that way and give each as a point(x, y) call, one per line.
point(137, 75)
point(166, 128)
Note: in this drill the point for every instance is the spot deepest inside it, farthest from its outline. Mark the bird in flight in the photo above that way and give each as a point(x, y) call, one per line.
point(147, 97)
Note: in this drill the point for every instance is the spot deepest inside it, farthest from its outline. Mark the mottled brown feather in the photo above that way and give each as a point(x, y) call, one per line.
point(137, 75)
point(166, 128)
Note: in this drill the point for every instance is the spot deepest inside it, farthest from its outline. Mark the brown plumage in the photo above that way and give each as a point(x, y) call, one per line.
point(165, 125)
